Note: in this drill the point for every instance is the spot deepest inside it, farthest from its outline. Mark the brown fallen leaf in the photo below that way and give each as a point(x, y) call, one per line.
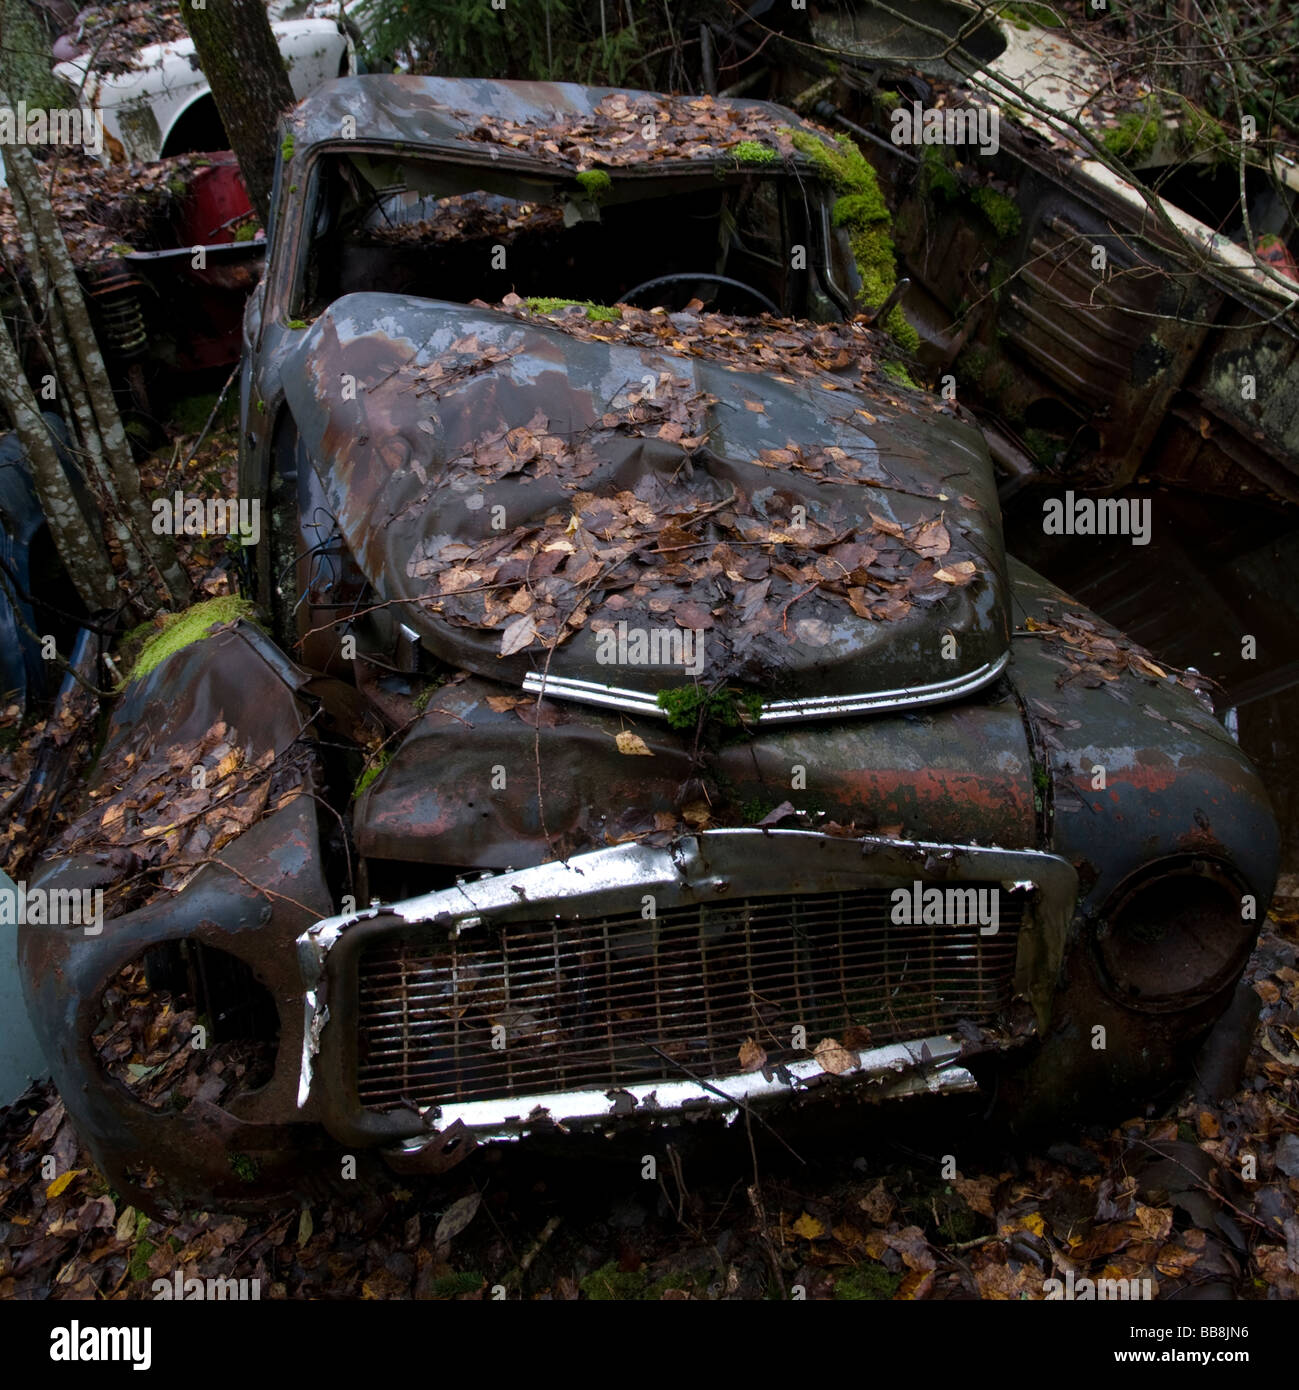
point(632, 744)
point(518, 633)
point(834, 1057)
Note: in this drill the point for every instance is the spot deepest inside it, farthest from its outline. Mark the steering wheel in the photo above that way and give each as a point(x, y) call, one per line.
point(682, 278)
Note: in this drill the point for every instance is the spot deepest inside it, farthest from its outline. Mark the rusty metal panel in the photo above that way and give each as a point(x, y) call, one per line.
point(420, 440)
point(1175, 783)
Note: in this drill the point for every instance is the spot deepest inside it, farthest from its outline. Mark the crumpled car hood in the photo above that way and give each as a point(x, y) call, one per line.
point(621, 519)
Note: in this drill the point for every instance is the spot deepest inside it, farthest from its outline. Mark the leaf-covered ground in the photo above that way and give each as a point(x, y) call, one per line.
point(856, 1209)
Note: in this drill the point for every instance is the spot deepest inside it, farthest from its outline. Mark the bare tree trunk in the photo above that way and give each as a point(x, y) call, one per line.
point(1192, 77)
point(250, 84)
point(89, 383)
point(80, 548)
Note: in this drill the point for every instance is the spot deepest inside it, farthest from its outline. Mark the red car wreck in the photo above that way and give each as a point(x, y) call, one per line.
point(647, 722)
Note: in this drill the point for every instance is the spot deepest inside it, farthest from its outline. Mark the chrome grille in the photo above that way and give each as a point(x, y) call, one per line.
point(618, 1000)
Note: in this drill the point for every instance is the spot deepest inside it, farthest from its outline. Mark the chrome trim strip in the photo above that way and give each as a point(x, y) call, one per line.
point(923, 1065)
point(775, 711)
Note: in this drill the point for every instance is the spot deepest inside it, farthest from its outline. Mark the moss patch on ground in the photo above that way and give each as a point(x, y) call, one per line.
point(611, 1284)
point(861, 210)
point(180, 630)
point(867, 1281)
point(602, 313)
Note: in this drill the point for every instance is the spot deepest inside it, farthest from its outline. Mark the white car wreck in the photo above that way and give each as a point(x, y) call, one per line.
point(164, 106)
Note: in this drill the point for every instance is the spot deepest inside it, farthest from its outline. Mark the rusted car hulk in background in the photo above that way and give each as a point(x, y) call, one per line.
point(605, 893)
point(1085, 370)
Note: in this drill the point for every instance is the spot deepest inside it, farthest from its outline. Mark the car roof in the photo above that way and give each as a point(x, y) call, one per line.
point(496, 119)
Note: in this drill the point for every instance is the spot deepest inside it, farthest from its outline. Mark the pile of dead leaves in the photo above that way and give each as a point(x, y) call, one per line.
point(679, 547)
point(112, 33)
point(1167, 1199)
point(626, 130)
point(465, 217)
point(103, 210)
point(146, 1041)
point(1092, 654)
point(837, 355)
point(152, 820)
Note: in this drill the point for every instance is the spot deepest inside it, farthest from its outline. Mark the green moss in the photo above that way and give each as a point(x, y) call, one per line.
point(885, 100)
point(1000, 210)
point(1023, 15)
point(858, 209)
point(286, 148)
point(601, 313)
point(729, 706)
point(1044, 447)
point(899, 374)
point(839, 162)
point(869, 1281)
point(1199, 133)
point(595, 183)
point(659, 1287)
point(140, 1257)
point(246, 231)
point(371, 771)
point(902, 332)
point(190, 413)
point(27, 72)
point(177, 186)
point(244, 1167)
point(861, 209)
point(296, 323)
point(182, 629)
point(610, 1284)
point(754, 152)
point(972, 366)
point(453, 1285)
point(1136, 135)
point(959, 1223)
point(937, 178)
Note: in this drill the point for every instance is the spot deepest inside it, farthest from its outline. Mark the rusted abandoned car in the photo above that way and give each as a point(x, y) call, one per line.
point(654, 724)
point(1101, 336)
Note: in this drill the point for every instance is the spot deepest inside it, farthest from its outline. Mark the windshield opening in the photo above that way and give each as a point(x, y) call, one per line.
point(442, 231)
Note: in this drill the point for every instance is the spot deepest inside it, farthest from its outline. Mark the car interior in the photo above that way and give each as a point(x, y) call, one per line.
point(457, 233)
